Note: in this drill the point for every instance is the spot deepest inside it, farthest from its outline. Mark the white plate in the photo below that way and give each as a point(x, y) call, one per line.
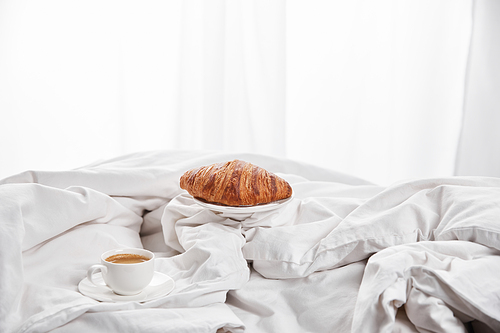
point(161, 285)
point(244, 209)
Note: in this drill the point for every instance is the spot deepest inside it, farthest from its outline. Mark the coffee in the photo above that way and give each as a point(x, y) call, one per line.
point(126, 258)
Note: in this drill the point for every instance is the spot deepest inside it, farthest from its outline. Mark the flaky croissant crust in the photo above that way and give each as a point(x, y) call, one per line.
point(235, 183)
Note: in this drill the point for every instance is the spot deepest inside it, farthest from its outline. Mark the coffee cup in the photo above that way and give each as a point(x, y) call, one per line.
point(125, 271)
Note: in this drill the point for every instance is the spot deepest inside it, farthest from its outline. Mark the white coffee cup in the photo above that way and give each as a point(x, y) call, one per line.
point(123, 277)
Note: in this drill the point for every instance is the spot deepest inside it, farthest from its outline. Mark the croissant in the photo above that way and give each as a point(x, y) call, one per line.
point(235, 183)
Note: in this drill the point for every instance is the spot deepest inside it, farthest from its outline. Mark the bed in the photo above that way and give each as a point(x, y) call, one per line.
point(344, 255)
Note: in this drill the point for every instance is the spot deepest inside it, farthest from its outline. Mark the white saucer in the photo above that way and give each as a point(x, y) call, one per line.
point(161, 285)
point(245, 209)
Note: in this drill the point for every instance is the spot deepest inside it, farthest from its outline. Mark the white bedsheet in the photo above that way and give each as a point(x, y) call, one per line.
point(300, 269)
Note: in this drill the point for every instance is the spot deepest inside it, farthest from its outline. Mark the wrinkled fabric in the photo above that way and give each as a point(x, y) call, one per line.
point(441, 285)
point(343, 255)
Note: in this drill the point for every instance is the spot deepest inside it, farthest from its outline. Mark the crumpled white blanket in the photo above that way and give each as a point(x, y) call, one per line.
point(436, 240)
point(440, 284)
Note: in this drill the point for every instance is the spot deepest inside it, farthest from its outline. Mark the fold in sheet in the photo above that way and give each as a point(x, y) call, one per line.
point(441, 285)
point(434, 209)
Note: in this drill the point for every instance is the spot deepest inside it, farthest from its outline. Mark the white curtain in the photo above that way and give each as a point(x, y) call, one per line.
point(231, 80)
point(376, 89)
point(380, 83)
point(479, 149)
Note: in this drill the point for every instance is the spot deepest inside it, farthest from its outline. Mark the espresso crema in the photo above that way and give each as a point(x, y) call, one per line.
point(126, 258)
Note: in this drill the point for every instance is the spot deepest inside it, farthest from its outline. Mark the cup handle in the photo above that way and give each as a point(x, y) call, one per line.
point(91, 272)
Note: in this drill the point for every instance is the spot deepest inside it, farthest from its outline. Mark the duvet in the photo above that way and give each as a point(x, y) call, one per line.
point(344, 255)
